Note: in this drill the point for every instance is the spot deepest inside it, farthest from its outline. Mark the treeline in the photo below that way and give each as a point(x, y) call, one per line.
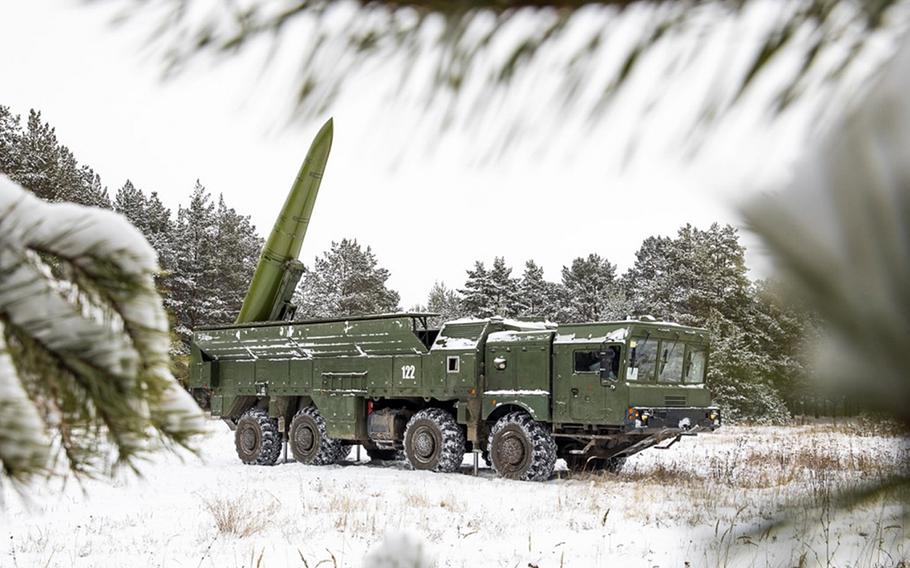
point(208, 252)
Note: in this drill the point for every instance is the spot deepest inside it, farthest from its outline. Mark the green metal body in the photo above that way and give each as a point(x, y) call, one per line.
point(606, 390)
point(480, 369)
point(271, 288)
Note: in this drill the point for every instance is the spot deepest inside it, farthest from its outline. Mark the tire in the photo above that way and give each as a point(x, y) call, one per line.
point(379, 454)
point(309, 442)
point(344, 450)
point(257, 439)
point(434, 441)
point(521, 448)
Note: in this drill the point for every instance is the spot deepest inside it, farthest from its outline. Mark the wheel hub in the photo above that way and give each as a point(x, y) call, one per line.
point(424, 444)
point(304, 439)
point(248, 440)
point(511, 451)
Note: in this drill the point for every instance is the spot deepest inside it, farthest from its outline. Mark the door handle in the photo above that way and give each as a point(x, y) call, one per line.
point(574, 392)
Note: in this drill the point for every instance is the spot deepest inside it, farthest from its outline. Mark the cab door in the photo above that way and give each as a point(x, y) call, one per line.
point(583, 393)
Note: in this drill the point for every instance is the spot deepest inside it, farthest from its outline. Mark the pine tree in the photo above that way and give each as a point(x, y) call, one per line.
point(538, 299)
point(237, 249)
point(37, 160)
point(132, 204)
point(477, 292)
point(685, 278)
point(592, 291)
point(445, 302)
point(10, 135)
point(194, 298)
point(345, 281)
point(160, 230)
point(38, 157)
point(505, 289)
point(491, 292)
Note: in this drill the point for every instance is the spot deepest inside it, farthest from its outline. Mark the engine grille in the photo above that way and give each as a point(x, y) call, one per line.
point(675, 400)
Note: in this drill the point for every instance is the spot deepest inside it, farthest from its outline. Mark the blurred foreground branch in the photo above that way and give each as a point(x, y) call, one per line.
point(461, 54)
point(84, 367)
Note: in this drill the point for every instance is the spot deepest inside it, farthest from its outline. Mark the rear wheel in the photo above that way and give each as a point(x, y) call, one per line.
point(521, 448)
point(257, 439)
point(434, 441)
point(310, 444)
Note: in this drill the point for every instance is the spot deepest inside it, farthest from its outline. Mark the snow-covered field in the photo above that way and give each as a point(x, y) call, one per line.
point(703, 502)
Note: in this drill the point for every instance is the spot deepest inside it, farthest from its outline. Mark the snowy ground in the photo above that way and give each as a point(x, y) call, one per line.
point(701, 503)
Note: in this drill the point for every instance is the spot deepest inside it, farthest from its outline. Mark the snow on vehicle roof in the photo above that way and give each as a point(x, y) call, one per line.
point(617, 335)
point(454, 343)
point(509, 336)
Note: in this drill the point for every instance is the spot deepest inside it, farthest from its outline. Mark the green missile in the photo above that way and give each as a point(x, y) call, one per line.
point(268, 288)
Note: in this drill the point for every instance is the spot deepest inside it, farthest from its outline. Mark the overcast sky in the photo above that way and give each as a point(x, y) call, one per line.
point(428, 214)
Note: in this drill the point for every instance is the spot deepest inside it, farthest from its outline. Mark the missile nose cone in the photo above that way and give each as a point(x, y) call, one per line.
point(325, 133)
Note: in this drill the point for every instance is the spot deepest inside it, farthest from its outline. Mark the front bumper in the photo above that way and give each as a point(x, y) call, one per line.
point(651, 419)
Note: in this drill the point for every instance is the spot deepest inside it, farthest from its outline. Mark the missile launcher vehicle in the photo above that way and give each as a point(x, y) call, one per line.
point(519, 393)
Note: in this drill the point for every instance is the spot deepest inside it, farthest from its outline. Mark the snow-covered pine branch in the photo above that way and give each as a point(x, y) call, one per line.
point(84, 344)
point(841, 237)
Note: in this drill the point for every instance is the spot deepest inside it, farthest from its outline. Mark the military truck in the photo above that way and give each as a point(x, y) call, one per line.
point(520, 393)
point(523, 393)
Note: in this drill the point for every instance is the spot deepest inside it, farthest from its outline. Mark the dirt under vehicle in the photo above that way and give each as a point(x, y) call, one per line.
point(521, 393)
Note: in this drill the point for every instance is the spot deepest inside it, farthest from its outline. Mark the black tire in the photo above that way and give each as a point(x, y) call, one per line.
point(434, 441)
point(257, 439)
point(309, 442)
point(344, 450)
point(380, 454)
point(521, 448)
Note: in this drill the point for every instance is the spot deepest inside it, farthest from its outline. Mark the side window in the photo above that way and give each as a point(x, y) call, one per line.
point(695, 365)
point(671, 361)
point(587, 361)
point(453, 363)
point(642, 359)
point(609, 363)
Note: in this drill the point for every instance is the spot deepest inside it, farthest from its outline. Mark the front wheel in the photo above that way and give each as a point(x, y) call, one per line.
point(257, 439)
point(521, 448)
point(434, 441)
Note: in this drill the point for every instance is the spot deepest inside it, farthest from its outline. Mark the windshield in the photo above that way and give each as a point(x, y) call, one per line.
point(671, 361)
point(642, 356)
point(695, 364)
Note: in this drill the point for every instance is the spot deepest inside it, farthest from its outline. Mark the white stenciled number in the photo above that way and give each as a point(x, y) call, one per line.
point(407, 371)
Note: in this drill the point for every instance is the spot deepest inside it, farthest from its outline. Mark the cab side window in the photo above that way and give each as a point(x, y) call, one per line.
point(587, 361)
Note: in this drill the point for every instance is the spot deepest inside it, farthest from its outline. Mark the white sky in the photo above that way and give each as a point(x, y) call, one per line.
point(427, 214)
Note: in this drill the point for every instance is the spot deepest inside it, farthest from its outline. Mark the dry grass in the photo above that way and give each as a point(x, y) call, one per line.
point(778, 459)
point(242, 516)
